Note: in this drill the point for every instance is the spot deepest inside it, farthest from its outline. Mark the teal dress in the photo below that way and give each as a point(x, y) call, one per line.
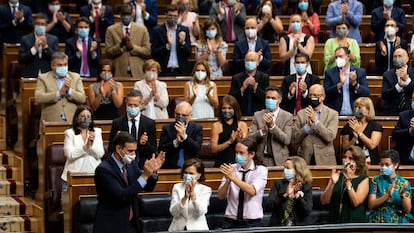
point(341, 209)
point(391, 210)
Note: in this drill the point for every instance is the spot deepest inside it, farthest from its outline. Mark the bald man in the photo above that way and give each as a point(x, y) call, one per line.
point(397, 85)
point(248, 87)
point(315, 129)
point(182, 139)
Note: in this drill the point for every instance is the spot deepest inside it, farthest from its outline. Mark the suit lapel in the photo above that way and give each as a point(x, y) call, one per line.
point(116, 168)
point(323, 114)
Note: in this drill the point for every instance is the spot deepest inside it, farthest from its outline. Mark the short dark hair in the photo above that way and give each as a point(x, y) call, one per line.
point(306, 56)
point(123, 137)
point(171, 8)
point(82, 19)
point(343, 22)
point(126, 7)
point(40, 16)
point(346, 49)
point(392, 154)
point(250, 143)
point(196, 162)
point(134, 93)
point(274, 88)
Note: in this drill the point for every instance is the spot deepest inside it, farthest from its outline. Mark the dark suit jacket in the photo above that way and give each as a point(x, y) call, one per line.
point(401, 134)
point(378, 21)
point(334, 96)
point(152, 8)
point(258, 97)
point(391, 96)
point(237, 22)
point(242, 47)
point(106, 21)
point(32, 62)
point(10, 33)
point(75, 62)
point(381, 61)
point(162, 54)
point(58, 30)
point(115, 197)
point(290, 104)
point(191, 145)
point(145, 125)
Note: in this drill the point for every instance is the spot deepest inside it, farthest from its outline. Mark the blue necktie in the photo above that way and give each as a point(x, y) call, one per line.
point(180, 161)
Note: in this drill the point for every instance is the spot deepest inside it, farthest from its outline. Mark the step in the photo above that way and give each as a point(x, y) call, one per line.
point(15, 206)
point(9, 173)
point(11, 188)
point(19, 224)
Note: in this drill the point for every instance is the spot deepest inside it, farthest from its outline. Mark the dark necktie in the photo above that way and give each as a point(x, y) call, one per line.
point(390, 55)
point(229, 35)
point(298, 97)
point(133, 129)
point(14, 11)
point(180, 161)
point(125, 175)
point(248, 92)
point(240, 206)
point(126, 31)
point(401, 103)
point(269, 142)
point(85, 68)
point(97, 36)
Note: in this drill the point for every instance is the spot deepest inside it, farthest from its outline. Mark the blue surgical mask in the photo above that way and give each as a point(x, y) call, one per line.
point(188, 178)
point(341, 33)
point(83, 32)
point(386, 170)
point(300, 68)
point(62, 71)
point(303, 6)
point(271, 104)
point(40, 29)
point(133, 111)
point(241, 160)
point(412, 104)
point(296, 26)
point(288, 174)
point(250, 65)
point(211, 34)
point(388, 3)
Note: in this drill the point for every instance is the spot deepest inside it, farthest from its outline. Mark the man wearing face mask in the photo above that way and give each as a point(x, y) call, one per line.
point(100, 15)
point(272, 129)
point(181, 139)
point(382, 14)
point(315, 129)
point(251, 43)
point(248, 87)
point(36, 49)
point(84, 52)
point(349, 10)
point(397, 85)
point(344, 83)
point(118, 181)
point(59, 91)
point(171, 46)
point(59, 23)
point(385, 47)
point(139, 126)
point(127, 44)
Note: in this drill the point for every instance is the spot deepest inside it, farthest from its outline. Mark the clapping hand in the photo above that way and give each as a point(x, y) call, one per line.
point(335, 175)
point(228, 171)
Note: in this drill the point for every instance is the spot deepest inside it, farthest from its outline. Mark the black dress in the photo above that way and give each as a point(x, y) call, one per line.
point(107, 109)
point(227, 155)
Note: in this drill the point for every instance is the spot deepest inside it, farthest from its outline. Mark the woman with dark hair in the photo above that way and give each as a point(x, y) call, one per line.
point(389, 193)
point(310, 19)
point(190, 199)
point(106, 95)
point(226, 131)
point(83, 145)
point(211, 47)
point(347, 190)
point(269, 24)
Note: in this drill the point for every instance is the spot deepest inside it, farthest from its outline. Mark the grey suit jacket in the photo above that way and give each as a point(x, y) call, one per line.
point(281, 135)
point(320, 140)
point(238, 21)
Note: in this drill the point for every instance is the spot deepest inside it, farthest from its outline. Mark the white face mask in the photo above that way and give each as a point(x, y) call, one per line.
point(266, 9)
point(340, 62)
point(54, 8)
point(201, 75)
point(150, 75)
point(127, 159)
point(390, 31)
point(251, 33)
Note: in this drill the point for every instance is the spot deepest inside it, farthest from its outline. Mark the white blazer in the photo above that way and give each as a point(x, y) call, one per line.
point(193, 214)
point(78, 160)
point(160, 106)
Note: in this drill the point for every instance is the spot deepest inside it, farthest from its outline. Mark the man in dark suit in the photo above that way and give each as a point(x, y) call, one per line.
point(84, 52)
point(171, 46)
point(248, 87)
point(397, 85)
point(118, 180)
point(59, 22)
point(36, 49)
point(145, 13)
point(182, 139)
point(101, 17)
point(382, 14)
point(295, 87)
point(251, 43)
point(140, 126)
point(231, 16)
point(384, 48)
point(344, 84)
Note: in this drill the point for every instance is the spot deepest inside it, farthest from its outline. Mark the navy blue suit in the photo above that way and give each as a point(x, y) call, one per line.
point(378, 21)
point(381, 61)
point(334, 97)
point(10, 33)
point(401, 134)
point(242, 47)
point(191, 146)
point(152, 9)
point(75, 62)
point(59, 30)
point(32, 62)
point(115, 196)
point(106, 21)
point(162, 54)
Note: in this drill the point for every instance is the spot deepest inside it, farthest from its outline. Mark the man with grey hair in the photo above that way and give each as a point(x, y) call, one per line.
point(59, 91)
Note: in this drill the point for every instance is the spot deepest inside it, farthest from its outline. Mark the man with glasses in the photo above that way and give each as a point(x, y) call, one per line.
point(171, 46)
point(315, 129)
point(181, 139)
point(381, 15)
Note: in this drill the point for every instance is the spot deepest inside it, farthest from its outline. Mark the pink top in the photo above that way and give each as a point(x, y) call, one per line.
point(188, 22)
point(316, 27)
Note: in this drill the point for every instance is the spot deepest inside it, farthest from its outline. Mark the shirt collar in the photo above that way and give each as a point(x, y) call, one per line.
point(136, 118)
point(118, 163)
point(16, 5)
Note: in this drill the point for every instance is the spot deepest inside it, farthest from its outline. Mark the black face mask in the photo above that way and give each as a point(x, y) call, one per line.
point(358, 114)
point(313, 102)
point(181, 119)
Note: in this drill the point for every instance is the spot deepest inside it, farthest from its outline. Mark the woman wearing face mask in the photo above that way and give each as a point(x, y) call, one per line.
point(190, 199)
point(293, 43)
point(154, 92)
point(290, 199)
point(361, 130)
point(200, 92)
point(310, 19)
point(212, 48)
point(106, 95)
point(341, 40)
point(269, 24)
point(226, 131)
point(188, 17)
point(83, 145)
point(347, 190)
point(389, 193)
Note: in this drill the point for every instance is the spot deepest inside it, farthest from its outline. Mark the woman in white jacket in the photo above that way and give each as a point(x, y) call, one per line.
point(190, 199)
